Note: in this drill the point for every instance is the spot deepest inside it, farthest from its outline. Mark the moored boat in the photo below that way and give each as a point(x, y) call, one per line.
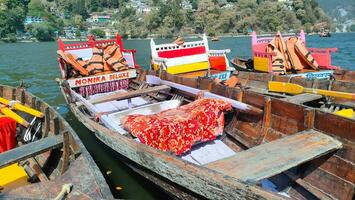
point(191, 59)
point(46, 160)
point(324, 33)
point(265, 140)
point(241, 64)
point(215, 39)
point(288, 55)
point(259, 82)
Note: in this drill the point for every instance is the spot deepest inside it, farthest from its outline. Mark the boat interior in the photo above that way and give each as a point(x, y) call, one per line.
point(47, 156)
point(258, 82)
point(285, 148)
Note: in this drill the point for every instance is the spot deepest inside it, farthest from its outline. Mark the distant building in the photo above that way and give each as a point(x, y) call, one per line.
point(109, 33)
point(97, 18)
point(31, 20)
point(139, 6)
point(143, 9)
point(228, 5)
point(71, 32)
point(186, 5)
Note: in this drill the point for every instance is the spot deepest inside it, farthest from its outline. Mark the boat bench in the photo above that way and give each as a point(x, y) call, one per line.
point(30, 150)
point(121, 100)
point(208, 152)
point(272, 158)
point(303, 98)
point(127, 95)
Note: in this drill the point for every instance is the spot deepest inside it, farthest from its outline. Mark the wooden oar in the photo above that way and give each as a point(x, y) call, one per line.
point(150, 79)
point(22, 108)
point(9, 113)
point(292, 88)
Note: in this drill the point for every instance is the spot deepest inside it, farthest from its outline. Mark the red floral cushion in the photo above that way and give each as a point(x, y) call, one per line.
point(178, 129)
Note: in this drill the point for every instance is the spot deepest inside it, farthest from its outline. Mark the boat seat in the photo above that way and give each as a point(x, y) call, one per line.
point(31, 149)
point(272, 158)
point(208, 152)
point(127, 95)
point(113, 106)
point(303, 98)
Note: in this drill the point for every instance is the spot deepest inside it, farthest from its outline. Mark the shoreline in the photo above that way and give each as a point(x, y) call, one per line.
point(188, 36)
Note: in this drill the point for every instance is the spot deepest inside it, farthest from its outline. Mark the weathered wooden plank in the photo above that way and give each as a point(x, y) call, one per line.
point(315, 191)
point(66, 153)
point(309, 118)
point(331, 184)
point(276, 156)
point(266, 119)
point(303, 98)
point(30, 150)
point(287, 110)
point(46, 127)
point(126, 95)
point(37, 169)
point(56, 127)
point(335, 125)
point(339, 167)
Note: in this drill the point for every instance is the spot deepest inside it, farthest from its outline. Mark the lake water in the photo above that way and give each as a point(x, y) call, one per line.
point(36, 64)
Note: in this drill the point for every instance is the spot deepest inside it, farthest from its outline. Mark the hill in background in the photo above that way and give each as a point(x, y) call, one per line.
point(47, 19)
point(342, 12)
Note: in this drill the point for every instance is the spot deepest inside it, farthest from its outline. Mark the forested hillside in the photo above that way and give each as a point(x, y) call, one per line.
point(342, 12)
point(165, 17)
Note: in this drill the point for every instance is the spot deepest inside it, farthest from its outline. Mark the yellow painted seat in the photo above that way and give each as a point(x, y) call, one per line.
point(12, 176)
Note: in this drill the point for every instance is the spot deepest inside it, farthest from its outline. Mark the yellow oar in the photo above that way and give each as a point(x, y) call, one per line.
point(292, 88)
point(9, 113)
point(23, 108)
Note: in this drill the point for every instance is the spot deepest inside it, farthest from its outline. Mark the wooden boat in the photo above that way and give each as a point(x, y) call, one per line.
point(301, 152)
point(191, 59)
point(241, 64)
point(57, 162)
point(215, 39)
point(324, 33)
point(258, 82)
point(263, 60)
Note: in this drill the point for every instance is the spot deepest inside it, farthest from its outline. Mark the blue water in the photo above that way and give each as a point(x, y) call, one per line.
point(36, 64)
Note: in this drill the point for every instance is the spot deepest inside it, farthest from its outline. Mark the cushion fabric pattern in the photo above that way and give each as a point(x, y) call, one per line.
point(176, 130)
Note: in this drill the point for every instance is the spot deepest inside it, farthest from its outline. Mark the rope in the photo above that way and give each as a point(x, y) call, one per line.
point(28, 134)
point(12, 103)
point(66, 189)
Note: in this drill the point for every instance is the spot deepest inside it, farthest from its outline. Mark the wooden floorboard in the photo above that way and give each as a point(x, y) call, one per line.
point(272, 158)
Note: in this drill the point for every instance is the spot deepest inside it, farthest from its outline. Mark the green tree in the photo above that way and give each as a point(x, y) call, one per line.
point(308, 27)
point(12, 15)
point(206, 16)
point(42, 31)
point(36, 8)
point(352, 28)
point(77, 33)
point(98, 33)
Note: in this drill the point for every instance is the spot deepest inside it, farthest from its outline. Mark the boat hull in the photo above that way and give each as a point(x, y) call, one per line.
point(250, 131)
point(183, 178)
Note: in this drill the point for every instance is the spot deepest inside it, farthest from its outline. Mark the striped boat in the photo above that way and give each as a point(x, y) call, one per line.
point(188, 57)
